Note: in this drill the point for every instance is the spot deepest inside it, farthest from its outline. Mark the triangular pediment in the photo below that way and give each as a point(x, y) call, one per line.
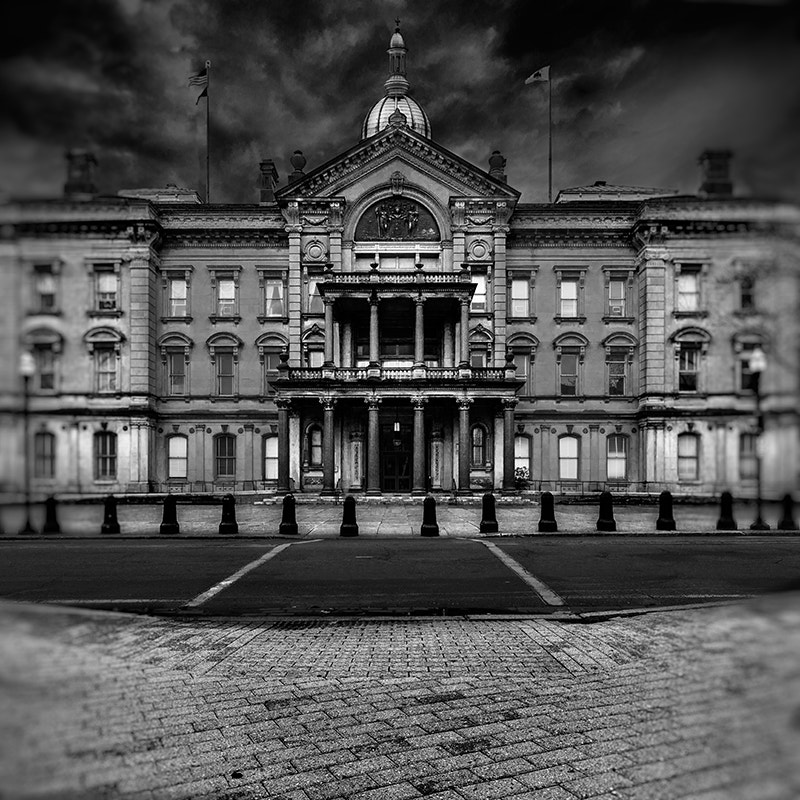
point(403, 146)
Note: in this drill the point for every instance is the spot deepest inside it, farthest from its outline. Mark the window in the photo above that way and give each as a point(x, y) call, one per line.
point(477, 357)
point(688, 367)
point(44, 288)
point(478, 303)
point(105, 289)
point(176, 373)
point(616, 297)
point(270, 458)
point(617, 458)
point(617, 366)
point(522, 452)
point(225, 456)
point(105, 456)
point(45, 375)
point(314, 445)
point(748, 466)
point(105, 370)
point(688, 456)
point(274, 292)
point(226, 373)
point(478, 440)
point(568, 373)
point(688, 300)
point(271, 360)
point(568, 458)
point(315, 357)
point(747, 293)
point(226, 297)
point(178, 298)
point(568, 306)
point(314, 298)
point(44, 455)
point(520, 301)
point(177, 457)
point(523, 366)
point(744, 350)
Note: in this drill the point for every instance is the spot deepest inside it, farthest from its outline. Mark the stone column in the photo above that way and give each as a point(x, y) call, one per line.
point(328, 483)
point(418, 486)
point(448, 357)
point(283, 445)
point(463, 446)
point(437, 465)
point(356, 461)
point(346, 357)
point(374, 350)
point(250, 473)
point(464, 344)
point(419, 333)
point(295, 285)
point(509, 484)
point(373, 447)
point(595, 454)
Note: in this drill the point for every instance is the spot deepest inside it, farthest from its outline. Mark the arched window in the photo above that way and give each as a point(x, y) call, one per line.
point(314, 445)
point(177, 457)
point(225, 456)
point(478, 440)
point(44, 455)
point(568, 454)
point(270, 458)
point(688, 457)
point(617, 457)
point(105, 456)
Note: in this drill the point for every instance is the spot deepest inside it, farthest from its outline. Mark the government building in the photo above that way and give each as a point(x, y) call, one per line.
point(398, 321)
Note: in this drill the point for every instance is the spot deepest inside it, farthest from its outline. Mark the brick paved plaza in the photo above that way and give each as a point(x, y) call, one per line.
point(700, 703)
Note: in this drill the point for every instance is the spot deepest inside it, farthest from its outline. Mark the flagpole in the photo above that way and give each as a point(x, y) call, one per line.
point(550, 136)
point(208, 132)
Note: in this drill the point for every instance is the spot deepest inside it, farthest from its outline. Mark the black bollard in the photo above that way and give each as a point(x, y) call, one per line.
point(488, 514)
point(50, 516)
point(726, 522)
point(288, 525)
point(110, 523)
point(429, 525)
point(787, 521)
point(349, 525)
point(606, 522)
point(228, 522)
point(547, 519)
point(665, 521)
point(169, 518)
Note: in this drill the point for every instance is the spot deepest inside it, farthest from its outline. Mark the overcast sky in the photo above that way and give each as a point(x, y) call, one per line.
point(640, 88)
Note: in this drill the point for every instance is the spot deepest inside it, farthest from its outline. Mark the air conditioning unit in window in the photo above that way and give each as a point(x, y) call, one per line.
point(616, 311)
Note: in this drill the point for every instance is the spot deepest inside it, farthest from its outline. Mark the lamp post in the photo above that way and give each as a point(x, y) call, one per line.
point(27, 367)
point(757, 363)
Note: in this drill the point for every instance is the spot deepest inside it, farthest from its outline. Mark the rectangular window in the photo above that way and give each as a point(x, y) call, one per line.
point(176, 374)
point(225, 456)
point(177, 457)
point(617, 363)
point(314, 358)
point(478, 446)
point(315, 446)
point(617, 458)
point(178, 306)
point(45, 367)
point(478, 303)
point(477, 358)
point(747, 293)
point(270, 458)
point(688, 368)
point(568, 378)
point(271, 360)
point(106, 283)
point(748, 442)
point(522, 453)
point(314, 298)
point(44, 455)
point(569, 297)
point(105, 361)
point(44, 289)
point(520, 305)
point(568, 458)
point(689, 290)
point(274, 297)
point(688, 452)
point(616, 298)
point(225, 374)
point(105, 456)
point(226, 297)
point(522, 364)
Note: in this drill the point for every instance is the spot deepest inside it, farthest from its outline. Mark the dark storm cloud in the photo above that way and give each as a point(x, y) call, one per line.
point(640, 88)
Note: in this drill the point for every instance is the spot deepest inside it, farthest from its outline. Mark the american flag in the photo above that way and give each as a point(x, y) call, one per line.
point(201, 79)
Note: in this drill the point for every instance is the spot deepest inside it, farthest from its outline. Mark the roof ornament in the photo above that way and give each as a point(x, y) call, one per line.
point(397, 118)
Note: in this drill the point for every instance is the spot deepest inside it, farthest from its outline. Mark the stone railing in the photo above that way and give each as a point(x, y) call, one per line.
point(396, 277)
point(392, 373)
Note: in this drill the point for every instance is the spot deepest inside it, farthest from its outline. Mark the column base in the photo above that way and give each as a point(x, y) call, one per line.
point(464, 492)
point(509, 492)
point(418, 493)
point(374, 493)
point(328, 493)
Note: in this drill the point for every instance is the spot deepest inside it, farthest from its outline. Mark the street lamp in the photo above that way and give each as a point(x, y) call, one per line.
point(757, 363)
point(27, 367)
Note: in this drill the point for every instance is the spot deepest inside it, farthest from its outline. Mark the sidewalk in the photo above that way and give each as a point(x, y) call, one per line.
point(402, 518)
point(700, 703)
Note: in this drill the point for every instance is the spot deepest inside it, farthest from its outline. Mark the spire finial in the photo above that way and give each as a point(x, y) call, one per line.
point(397, 84)
point(397, 24)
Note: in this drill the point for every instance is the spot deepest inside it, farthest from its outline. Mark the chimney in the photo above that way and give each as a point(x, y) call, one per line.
point(80, 175)
point(497, 166)
point(298, 161)
point(715, 165)
point(269, 182)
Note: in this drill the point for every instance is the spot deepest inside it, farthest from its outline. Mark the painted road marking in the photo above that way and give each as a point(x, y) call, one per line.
point(217, 588)
point(542, 589)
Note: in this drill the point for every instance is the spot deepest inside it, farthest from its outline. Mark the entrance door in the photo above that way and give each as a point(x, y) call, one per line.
point(396, 457)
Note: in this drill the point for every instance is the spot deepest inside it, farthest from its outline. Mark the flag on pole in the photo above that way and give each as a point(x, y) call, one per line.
point(540, 76)
point(201, 79)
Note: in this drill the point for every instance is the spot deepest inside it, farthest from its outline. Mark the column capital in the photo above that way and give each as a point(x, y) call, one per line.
point(283, 403)
point(510, 403)
point(419, 300)
point(418, 402)
point(372, 402)
point(327, 402)
point(464, 403)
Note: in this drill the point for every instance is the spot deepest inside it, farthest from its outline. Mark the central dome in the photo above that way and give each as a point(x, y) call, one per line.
point(396, 108)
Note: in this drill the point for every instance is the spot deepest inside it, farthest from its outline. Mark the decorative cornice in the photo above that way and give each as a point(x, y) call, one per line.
point(571, 238)
point(229, 238)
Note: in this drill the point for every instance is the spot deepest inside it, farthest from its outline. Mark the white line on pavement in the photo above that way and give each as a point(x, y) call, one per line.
point(542, 589)
point(216, 589)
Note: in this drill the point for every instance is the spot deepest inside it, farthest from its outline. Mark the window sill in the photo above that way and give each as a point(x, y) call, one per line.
point(623, 320)
point(558, 320)
point(689, 314)
point(224, 398)
point(746, 312)
point(106, 314)
point(44, 313)
point(105, 481)
point(186, 319)
point(511, 320)
point(263, 319)
point(234, 318)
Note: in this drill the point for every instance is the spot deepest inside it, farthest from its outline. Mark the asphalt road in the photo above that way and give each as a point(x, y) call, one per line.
point(540, 575)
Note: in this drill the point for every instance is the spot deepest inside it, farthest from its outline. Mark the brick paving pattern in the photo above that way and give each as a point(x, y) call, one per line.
point(701, 703)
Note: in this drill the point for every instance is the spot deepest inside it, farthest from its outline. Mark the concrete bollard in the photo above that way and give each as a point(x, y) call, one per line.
point(787, 521)
point(606, 521)
point(228, 522)
point(429, 525)
point(349, 526)
point(110, 522)
point(288, 526)
point(665, 521)
point(547, 518)
point(51, 516)
point(169, 518)
point(488, 514)
point(726, 522)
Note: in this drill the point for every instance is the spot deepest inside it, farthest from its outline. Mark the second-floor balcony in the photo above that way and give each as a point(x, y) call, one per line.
point(350, 375)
